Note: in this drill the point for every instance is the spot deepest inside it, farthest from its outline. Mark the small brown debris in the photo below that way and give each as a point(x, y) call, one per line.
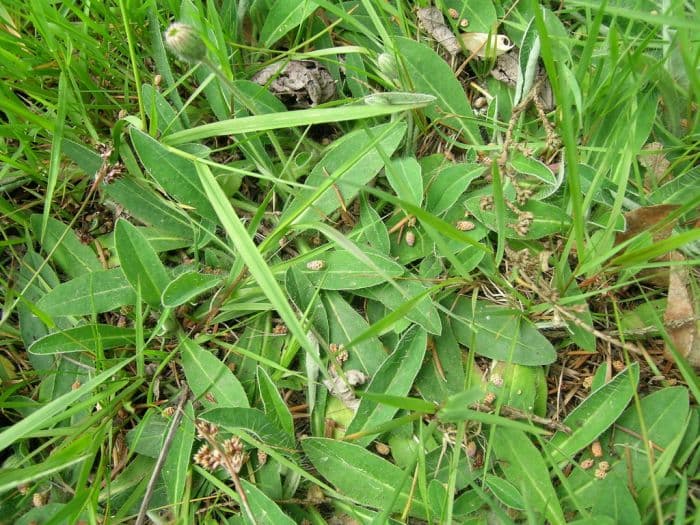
point(604, 465)
point(382, 448)
point(600, 474)
point(410, 238)
point(453, 13)
point(597, 449)
point(465, 226)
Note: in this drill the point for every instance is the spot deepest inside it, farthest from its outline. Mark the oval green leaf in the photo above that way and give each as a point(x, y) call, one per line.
point(86, 338)
point(140, 263)
point(500, 333)
point(91, 293)
point(187, 286)
point(207, 375)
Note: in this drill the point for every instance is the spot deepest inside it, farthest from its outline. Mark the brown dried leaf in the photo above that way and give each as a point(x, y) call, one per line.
point(646, 218)
point(654, 161)
point(680, 317)
point(297, 83)
point(433, 23)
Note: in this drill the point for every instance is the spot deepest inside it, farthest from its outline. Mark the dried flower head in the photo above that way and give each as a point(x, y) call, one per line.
point(587, 463)
point(185, 42)
point(206, 430)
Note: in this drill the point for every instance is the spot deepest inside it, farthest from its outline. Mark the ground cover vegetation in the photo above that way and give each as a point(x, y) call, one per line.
point(320, 261)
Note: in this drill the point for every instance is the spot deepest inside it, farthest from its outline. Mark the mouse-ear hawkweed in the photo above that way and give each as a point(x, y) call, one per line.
point(184, 41)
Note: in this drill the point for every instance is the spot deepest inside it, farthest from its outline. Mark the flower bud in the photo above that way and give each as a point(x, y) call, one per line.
point(184, 41)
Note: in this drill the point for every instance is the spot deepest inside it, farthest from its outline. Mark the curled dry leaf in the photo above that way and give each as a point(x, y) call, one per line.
point(433, 23)
point(340, 387)
point(484, 45)
point(507, 70)
point(680, 317)
point(297, 83)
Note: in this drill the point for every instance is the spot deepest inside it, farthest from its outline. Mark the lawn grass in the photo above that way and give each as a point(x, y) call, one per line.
point(417, 286)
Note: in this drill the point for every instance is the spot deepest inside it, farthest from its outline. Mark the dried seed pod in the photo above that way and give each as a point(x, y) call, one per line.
point(316, 265)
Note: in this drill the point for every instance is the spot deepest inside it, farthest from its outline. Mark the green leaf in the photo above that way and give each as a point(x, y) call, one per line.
point(302, 293)
point(257, 266)
point(341, 270)
point(177, 462)
point(284, 16)
point(448, 185)
point(149, 207)
point(266, 511)
point(252, 420)
point(55, 410)
point(71, 255)
point(424, 312)
point(348, 165)
point(207, 375)
point(175, 174)
point(429, 73)
point(500, 333)
point(505, 491)
point(275, 407)
point(481, 14)
point(91, 293)
point(344, 323)
point(361, 475)
point(523, 466)
point(86, 338)
point(63, 457)
point(140, 263)
point(592, 417)
point(394, 377)
point(613, 499)
point(374, 231)
point(547, 219)
point(404, 176)
point(187, 286)
point(304, 117)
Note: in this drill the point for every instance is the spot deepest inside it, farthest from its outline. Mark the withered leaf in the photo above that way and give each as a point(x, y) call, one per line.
point(647, 218)
point(433, 23)
point(680, 317)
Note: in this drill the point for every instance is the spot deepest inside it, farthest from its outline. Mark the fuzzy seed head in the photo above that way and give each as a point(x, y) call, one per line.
point(184, 41)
